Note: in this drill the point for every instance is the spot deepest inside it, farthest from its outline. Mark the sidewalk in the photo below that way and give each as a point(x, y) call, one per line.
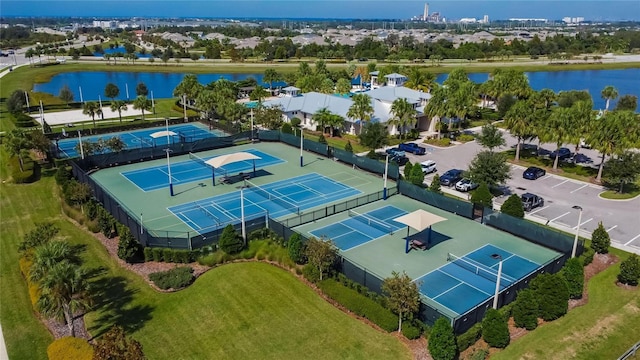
point(3, 347)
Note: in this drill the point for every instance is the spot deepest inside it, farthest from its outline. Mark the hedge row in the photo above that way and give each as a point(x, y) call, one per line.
point(70, 348)
point(360, 304)
point(173, 279)
point(469, 338)
point(170, 255)
point(34, 290)
point(29, 174)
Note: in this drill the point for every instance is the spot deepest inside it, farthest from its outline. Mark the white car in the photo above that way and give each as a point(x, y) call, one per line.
point(466, 185)
point(428, 166)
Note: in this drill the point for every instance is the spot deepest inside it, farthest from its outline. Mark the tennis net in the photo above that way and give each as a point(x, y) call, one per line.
point(371, 222)
point(480, 269)
point(198, 159)
point(269, 196)
point(208, 213)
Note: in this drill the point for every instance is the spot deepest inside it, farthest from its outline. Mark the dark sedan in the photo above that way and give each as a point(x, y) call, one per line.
point(533, 173)
point(451, 177)
point(562, 153)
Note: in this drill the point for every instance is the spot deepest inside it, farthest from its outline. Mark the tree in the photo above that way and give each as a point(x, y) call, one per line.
point(504, 104)
point(269, 117)
point(114, 345)
point(47, 255)
point(490, 168)
point(64, 290)
point(141, 89)
point(600, 240)
point(627, 103)
point(128, 246)
point(482, 196)
point(343, 86)
point(557, 129)
point(495, 330)
point(520, 121)
point(419, 80)
point(373, 135)
point(417, 176)
point(573, 272)
point(403, 297)
point(321, 254)
point(230, 241)
point(491, 137)
point(92, 109)
point(513, 206)
point(119, 106)
point(142, 103)
point(327, 86)
point(66, 95)
point(552, 295)
point(614, 133)
point(525, 310)
point(111, 91)
point(361, 110)
point(442, 341)
point(608, 93)
point(403, 114)
point(16, 101)
point(435, 184)
point(295, 248)
point(42, 234)
point(630, 270)
point(259, 94)
point(622, 170)
point(189, 87)
point(17, 143)
point(270, 76)
point(348, 147)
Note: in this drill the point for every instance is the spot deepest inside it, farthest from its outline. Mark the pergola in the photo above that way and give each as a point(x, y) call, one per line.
point(419, 220)
point(220, 161)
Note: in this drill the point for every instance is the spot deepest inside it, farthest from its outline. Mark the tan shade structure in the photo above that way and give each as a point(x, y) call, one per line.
point(223, 160)
point(419, 220)
point(163, 133)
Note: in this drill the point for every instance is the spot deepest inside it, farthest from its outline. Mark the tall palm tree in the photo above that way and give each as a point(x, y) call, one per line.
point(361, 109)
point(64, 291)
point(334, 121)
point(49, 254)
point(270, 76)
point(557, 129)
point(520, 121)
point(322, 118)
point(403, 114)
point(363, 72)
point(614, 133)
point(142, 103)
point(438, 107)
point(343, 86)
point(92, 109)
point(608, 93)
point(419, 80)
point(119, 106)
point(544, 99)
point(189, 87)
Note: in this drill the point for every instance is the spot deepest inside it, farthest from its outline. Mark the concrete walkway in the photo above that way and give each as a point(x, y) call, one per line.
point(3, 347)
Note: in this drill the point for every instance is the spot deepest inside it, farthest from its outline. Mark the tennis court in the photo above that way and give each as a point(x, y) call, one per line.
point(464, 282)
point(142, 139)
point(359, 229)
point(194, 169)
point(280, 198)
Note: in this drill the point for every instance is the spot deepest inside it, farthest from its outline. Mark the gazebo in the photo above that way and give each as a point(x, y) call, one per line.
point(419, 220)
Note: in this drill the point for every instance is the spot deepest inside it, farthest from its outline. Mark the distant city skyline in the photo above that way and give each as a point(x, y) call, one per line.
point(603, 10)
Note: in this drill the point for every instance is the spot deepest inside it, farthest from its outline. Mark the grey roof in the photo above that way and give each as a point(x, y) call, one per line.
point(291, 88)
point(390, 93)
point(395, 76)
point(374, 73)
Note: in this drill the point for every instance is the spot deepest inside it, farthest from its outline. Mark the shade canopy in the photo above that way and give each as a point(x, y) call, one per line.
point(419, 219)
point(163, 133)
point(222, 160)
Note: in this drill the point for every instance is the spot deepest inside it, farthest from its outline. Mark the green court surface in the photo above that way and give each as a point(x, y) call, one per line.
point(153, 206)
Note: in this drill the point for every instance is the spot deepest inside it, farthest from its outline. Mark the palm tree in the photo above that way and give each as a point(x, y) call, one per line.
point(322, 117)
point(557, 129)
point(334, 121)
point(419, 80)
point(64, 291)
point(343, 86)
point(92, 109)
point(609, 93)
point(403, 114)
point(363, 73)
point(189, 87)
point(520, 121)
point(270, 76)
point(614, 133)
point(142, 103)
point(361, 109)
point(119, 106)
point(49, 254)
point(438, 107)
point(544, 98)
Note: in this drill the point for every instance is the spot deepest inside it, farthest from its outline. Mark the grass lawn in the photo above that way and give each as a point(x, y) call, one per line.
point(604, 328)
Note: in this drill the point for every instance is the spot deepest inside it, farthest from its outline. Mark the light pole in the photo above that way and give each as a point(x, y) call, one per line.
point(386, 172)
point(495, 297)
point(244, 229)
point(168, 162)
point(575, 240)
point(301, 145)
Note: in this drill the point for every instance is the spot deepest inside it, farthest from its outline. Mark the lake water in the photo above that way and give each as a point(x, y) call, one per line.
point(627, 81)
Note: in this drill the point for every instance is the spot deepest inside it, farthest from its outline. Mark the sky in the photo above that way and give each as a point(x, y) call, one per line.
point(340, 9)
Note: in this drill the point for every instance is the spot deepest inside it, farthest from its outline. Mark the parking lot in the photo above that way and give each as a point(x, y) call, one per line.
point(620, 218)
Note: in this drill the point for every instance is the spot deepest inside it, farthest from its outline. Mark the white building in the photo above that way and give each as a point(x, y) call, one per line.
point(108, 24)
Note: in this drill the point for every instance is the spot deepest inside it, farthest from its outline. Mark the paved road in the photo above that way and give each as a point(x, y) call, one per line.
point(621, 219)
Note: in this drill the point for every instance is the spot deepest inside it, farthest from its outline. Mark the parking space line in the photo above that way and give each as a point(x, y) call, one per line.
point(581, 187)
point(630, 241)
point(586, 221)
point(556, 218)
point(542, 208)
point(559, 184)
point(611, 228)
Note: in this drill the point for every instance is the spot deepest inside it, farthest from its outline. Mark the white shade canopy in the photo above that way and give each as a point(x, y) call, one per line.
point(222, 160)
point(163, 133)
point(419, 219)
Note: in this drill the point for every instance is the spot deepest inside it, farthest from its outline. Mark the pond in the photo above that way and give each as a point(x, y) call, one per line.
point(92, 83)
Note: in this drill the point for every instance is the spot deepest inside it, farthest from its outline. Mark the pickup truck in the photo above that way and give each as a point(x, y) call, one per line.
point(412, 148)
point(395, 152)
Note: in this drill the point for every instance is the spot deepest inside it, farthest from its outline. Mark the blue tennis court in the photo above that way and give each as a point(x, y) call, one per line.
point(280, 198)
point(137, 139)
point(157, 177)
point(359, 229)
point(463, 283)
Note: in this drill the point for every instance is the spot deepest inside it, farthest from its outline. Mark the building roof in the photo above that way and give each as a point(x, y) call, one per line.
point(390, 93)
point(291, 88)
point(395, 76)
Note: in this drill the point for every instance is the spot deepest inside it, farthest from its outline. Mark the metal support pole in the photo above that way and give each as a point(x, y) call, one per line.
point(80, 142)
point(301, 146)
point(575, 240)
point(81, 99)
point(244, 229)
point(386, 172)
point(168, 161)
point(495, 297)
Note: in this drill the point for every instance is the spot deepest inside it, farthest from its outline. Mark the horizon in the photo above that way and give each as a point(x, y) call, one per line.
point(354, 10)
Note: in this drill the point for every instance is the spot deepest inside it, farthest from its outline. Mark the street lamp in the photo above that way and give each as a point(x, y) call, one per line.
point(244, 229)
point(495, 297)
point(575, 240)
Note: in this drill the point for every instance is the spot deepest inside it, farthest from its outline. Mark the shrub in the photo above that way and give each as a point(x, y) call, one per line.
point(348, 147)
point(295, 247)
point(482, 196)
point(70, 348)
point(417, 176)
point(587, 256)
point(410, 331)
point(91, 209)
point(513, 206)
point(286, 128)
point(230, 242)
point(408, 168)
point(167, 255)
point(148, 254)
point(495, 330)
point(552, 294)
point(311, 273)
point(442, 341)
point(526, 310)
point(466, 138)
point(435, 184)
point(157, 254)
point(479, 354)
point(464, 341)
point(322, 140)
point(173, 279)
point(63, 174)
point(23, 177)
point(573, 273)
point(600, 240)
point(128, 246)
point(630, 270)
point(42, 234)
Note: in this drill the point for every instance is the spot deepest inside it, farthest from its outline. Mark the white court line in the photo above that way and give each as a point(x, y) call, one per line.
point(581, 187)
point(559, 184)
point(586, 221)
point(542, 208)
point(630, 241)
point(556, 218)
point(611, 228)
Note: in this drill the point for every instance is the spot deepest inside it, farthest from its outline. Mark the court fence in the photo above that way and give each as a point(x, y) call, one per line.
point(455, 206)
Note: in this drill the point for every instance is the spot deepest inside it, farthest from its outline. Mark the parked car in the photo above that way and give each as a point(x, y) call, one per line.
point(395, 152)
point(562, 153)
point(428, 166)
point(465, 185)
point(451, 177)
point(399, 159)
point(412, 148)
point(533, 172)
point(531, 201)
